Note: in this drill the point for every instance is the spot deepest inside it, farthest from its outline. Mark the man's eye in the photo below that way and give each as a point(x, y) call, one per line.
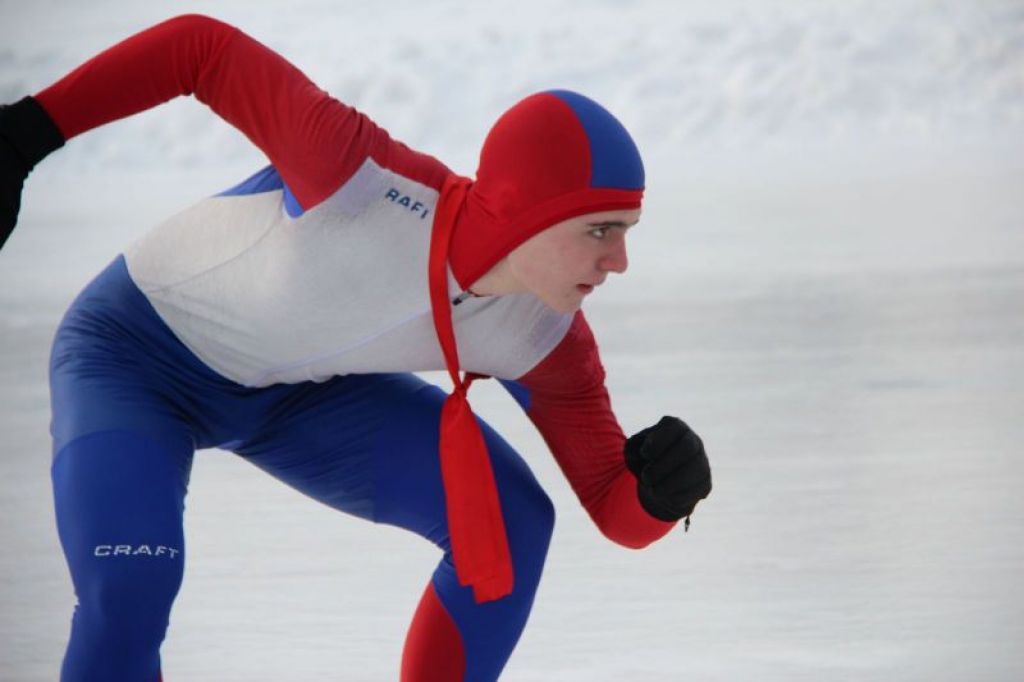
point(599, 232)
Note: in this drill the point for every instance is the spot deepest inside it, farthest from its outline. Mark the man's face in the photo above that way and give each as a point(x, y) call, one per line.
point(565, 262)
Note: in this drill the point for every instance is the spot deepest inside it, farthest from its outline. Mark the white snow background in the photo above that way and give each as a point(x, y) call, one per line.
point(828, 285)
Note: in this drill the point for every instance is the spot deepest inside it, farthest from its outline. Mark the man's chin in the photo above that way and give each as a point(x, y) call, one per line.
point(565, 305)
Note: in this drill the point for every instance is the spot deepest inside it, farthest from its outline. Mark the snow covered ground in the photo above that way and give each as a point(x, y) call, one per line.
point(828, 284)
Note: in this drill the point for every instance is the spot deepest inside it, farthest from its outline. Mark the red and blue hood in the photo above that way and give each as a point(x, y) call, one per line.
point(553, 156)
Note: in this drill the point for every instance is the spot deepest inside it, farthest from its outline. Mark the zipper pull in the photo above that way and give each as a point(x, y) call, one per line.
point(462, 297)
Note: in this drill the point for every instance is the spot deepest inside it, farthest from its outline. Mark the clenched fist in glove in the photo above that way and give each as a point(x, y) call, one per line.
point(27, 135)
point(671, 468)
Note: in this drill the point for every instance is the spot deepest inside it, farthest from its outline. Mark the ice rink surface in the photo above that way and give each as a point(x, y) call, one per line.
point(828, 285)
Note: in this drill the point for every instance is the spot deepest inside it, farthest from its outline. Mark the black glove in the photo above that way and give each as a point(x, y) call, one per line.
point(27, 135)
point(671, 468)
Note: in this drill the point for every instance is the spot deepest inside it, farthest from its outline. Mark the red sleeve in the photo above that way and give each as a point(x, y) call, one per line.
point(569, 405)
point(314, 141)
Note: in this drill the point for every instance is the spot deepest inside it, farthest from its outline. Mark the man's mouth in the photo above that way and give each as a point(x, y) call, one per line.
point(584, 288)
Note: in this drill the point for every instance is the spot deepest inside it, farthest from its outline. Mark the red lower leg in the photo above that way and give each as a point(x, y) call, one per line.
point(433, 648)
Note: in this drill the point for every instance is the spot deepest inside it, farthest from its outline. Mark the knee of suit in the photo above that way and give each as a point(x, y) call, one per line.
point(528, 512)
point(129, 605)
point(530, 524)
point(120, 622)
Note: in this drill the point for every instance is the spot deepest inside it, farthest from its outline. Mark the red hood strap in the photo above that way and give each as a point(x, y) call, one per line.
point(475, 523)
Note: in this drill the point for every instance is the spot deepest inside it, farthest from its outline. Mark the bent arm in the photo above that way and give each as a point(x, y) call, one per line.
point(313, 140)
point(570, 406)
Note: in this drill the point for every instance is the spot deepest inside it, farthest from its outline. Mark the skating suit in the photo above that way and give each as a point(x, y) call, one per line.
point(282, 319)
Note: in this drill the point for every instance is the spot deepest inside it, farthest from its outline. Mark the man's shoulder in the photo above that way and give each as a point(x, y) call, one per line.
point(409, 163)
point(572, 365)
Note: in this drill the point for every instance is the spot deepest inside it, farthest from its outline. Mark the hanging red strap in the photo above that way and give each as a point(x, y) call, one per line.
point(475, 523)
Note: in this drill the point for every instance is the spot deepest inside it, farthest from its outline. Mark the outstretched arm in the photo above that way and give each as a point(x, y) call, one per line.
point(569, 405)
point(306, 134)
point(314, 141)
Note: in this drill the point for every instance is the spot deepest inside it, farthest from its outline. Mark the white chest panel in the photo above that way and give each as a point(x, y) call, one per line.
point(265, 298)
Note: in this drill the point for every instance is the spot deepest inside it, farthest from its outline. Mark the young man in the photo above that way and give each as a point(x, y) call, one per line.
point(282, 319)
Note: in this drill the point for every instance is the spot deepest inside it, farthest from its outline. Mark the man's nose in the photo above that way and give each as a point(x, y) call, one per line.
point(615, 260)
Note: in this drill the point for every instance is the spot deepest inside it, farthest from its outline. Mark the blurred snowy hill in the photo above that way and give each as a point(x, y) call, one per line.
point(682, 74)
